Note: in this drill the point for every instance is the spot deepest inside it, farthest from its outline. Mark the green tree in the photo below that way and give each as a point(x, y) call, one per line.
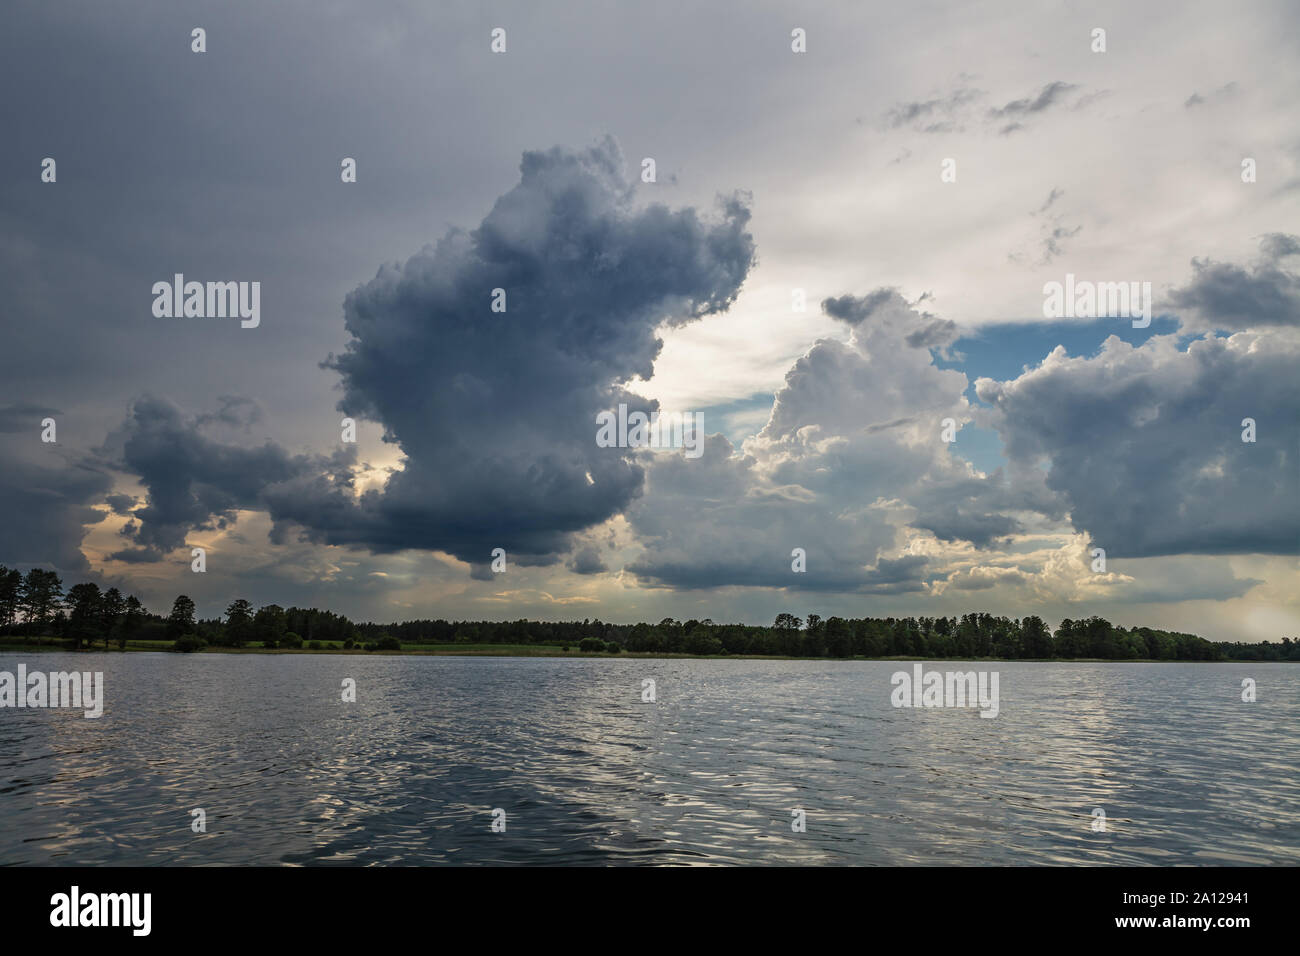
point(1035, 638)
point(181, 619)
point(814, 637)
point(41, 597)
point(111, 610)
point(271, 624)
point(239, 623)
point(133, 614)
point(11, 592)
point(839, 639)
point(85, 611)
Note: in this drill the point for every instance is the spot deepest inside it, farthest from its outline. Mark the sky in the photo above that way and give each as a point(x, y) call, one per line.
point(840, 263)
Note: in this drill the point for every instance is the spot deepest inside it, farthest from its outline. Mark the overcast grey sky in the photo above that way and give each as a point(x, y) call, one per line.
point(818, 171)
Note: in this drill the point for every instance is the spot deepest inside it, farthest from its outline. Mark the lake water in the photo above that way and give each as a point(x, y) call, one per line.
point(587, 773)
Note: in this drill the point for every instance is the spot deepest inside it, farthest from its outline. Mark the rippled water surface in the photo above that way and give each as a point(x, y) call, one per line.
point(587, 773)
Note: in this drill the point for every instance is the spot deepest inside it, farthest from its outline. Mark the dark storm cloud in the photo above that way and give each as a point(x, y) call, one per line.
point(46, 510)
point(495, 412)
point(587, 561)
point(1226, 296)
point(121, 504)
point(1145, 443)
point(949, 523)
point(48, 492)
point(193, 481)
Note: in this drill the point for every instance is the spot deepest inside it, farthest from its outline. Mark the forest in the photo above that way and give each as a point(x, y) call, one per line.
point(35, 610)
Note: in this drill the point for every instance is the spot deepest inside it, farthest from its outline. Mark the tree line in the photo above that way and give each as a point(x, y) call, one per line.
point(35, 605)
point(971, 635)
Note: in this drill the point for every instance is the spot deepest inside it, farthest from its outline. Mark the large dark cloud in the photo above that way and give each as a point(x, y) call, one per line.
point(1145, 442)
point(46, 511)
point(949, 522)
point(194, 481)
point(587, 560)
point(495, 412)
point(48, 491)
point(1223, 295)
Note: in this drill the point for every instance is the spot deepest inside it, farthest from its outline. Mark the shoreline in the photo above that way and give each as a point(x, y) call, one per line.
point(524, 652)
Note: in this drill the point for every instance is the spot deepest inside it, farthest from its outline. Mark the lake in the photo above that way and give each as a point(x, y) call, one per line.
point(286, 772)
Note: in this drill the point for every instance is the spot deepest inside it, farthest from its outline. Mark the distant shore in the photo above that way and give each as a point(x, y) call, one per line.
point(546, 650)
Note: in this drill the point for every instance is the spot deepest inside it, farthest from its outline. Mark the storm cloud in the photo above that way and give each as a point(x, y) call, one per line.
point(495, 411)
point(47, 510)
point(490, 416)
point(1145, 442)
point(1224, 295)
point(194, 481)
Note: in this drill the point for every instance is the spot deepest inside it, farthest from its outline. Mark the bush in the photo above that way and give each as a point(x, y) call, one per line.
point(269, 644)
point(291, 639)
point(315, 645)
point(189, 643)
point(613, 647)
point(349, 644)
point(388, 643)
point(591, 644)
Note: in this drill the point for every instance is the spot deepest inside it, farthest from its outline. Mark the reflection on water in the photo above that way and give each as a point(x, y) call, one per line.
point(587, 773)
